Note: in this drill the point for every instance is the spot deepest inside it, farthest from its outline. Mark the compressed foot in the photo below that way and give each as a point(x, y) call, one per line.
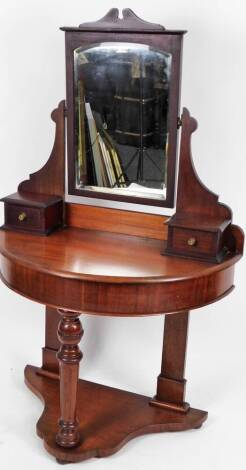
point(198, 426)
point(62, 462)
point(68, 435)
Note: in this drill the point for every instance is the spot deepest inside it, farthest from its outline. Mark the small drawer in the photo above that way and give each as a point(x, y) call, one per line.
point(197, 242)
point(38, 213)
point(22, 217)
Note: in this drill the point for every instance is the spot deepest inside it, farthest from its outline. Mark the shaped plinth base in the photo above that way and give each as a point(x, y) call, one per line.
point(108, 417)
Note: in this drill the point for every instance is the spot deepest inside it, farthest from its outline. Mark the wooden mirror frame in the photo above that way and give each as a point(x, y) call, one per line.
point(201, 227)
point(133, 30)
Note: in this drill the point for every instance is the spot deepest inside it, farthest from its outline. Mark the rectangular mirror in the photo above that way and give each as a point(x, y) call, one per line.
point(121, 119)
point(123, 88)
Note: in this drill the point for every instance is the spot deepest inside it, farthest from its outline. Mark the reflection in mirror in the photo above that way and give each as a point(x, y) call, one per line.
point(121, 115)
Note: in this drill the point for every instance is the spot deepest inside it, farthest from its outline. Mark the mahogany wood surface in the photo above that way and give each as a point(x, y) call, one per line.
point(31, 199)
point(33, 212)
point(116, 221)
point(52, 344)
point(193, 196)
point(108, 417)
point(171, 383)
point(109, 262)
point(129, 21)
point(201, 227)
point(70, 332)
point(104, 273)
point(50, 179)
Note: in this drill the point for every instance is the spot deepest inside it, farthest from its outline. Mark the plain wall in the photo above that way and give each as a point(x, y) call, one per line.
point(126, 353)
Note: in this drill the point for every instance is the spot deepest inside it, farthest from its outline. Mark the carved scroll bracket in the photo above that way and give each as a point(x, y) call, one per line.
point(129, 21)
point(201, 227)
point(50, 179)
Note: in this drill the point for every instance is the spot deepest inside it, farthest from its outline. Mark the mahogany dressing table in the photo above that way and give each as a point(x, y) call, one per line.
point(122, 120)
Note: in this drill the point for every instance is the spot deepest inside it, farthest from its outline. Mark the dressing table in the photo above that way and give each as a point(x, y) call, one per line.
point(121, 119)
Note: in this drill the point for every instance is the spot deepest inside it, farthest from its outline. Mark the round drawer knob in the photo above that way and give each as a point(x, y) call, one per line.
point(191, 241)
point(22, 216)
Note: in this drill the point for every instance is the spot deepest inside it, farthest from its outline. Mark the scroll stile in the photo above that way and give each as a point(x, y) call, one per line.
point(199, 199)
point(50, 179)
point(198, 209)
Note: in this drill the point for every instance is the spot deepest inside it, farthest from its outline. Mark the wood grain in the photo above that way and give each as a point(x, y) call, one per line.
point(70, 332)
point(50, 179)
point(109, 417)
point(116, 221)
point(42, 213)
point(52, 344)
point(108, 274)
point(199, 215)
point(171, 382)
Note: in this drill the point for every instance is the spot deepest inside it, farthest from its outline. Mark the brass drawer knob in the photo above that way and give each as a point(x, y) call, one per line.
point(191, 241)
point(22, 216)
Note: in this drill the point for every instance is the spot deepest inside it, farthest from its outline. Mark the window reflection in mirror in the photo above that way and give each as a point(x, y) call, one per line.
point(121, 119)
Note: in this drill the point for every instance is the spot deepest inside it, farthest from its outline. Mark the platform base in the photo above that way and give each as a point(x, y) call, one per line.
point(109, 417)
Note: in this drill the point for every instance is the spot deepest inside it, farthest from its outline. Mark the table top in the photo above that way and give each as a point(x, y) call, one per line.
point(102, 256)
point(89, 259)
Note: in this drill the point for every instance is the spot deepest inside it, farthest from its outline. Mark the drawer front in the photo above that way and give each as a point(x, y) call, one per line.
point(194, 241)
point(23, 218)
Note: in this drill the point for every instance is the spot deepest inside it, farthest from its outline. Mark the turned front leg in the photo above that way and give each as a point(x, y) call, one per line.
point(70, 332)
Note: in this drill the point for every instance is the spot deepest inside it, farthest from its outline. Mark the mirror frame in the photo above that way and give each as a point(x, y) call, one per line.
point(130, 29)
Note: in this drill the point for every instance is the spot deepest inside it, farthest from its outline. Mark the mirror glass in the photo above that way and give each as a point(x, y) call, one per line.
point(121, 119)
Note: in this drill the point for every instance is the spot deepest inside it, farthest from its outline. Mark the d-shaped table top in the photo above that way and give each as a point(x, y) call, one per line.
point(105, 273)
